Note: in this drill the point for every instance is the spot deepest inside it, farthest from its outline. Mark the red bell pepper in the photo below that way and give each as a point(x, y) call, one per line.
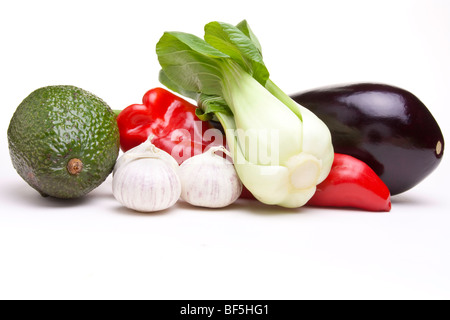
point(171, 121)
point(352, 183)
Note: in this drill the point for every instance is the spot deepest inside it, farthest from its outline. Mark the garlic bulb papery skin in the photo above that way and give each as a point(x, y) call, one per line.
point(145, 179)
point(209, 180)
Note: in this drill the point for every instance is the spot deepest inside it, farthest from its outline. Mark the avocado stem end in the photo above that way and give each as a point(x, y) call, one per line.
point(74, 166)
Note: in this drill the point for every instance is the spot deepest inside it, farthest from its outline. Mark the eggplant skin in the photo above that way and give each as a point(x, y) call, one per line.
point(386, 127)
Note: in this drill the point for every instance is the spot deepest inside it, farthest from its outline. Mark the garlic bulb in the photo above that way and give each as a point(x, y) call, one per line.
point(145, 179)
point(209, 180)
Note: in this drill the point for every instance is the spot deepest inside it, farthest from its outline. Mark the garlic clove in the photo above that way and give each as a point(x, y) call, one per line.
point(146, 185)
point(209, 180)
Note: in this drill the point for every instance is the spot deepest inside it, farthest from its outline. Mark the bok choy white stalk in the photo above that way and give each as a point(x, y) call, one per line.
point(280, 150)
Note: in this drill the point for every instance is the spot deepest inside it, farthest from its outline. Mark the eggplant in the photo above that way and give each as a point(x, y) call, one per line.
point(386, 127)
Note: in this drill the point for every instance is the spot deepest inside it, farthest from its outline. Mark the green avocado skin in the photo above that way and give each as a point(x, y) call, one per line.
point(55, 124)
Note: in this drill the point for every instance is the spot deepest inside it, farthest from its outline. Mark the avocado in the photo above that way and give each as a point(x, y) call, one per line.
point(63, 141)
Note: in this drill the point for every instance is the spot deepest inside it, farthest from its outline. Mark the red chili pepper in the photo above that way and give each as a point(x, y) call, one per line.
point(172, 122)
point(352, 183)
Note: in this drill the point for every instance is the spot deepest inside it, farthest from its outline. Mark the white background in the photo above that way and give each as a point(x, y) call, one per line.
point(93, 248)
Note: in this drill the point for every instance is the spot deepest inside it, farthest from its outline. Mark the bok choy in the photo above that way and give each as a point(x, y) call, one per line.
point(280, 150)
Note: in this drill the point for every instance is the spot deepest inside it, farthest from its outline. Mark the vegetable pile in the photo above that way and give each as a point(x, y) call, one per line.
point(281, 151)
point(348, 146)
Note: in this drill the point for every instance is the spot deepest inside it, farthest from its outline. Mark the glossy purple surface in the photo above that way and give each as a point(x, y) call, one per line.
point(388, 128)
